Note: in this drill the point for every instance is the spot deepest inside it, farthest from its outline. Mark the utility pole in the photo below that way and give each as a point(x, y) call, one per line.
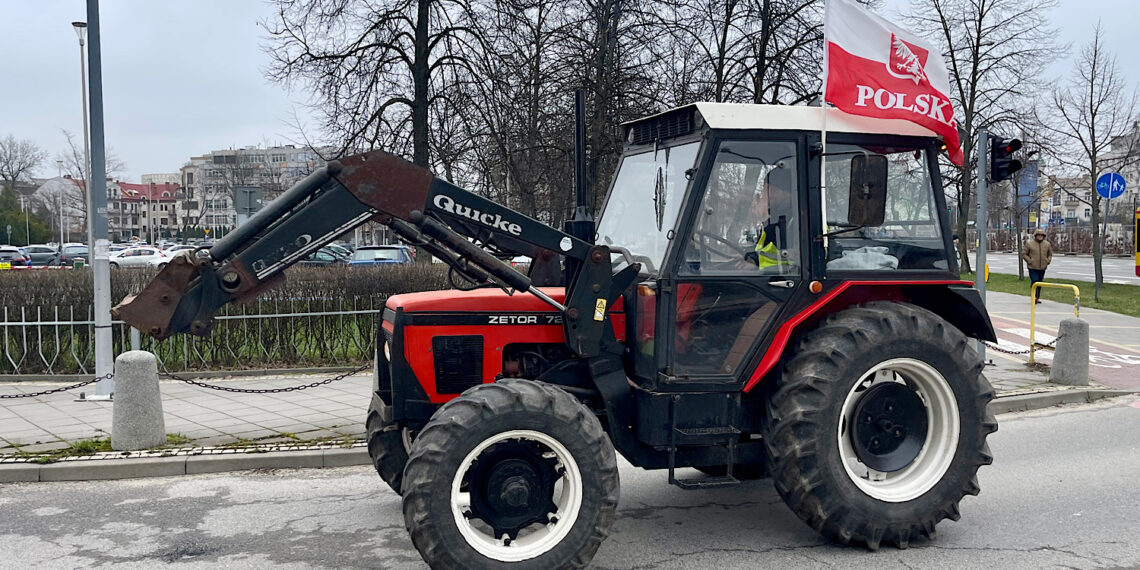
point(97, 213)
point(980, 265)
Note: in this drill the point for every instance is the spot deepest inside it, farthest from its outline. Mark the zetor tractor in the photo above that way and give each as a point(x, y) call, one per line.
point(728, 317)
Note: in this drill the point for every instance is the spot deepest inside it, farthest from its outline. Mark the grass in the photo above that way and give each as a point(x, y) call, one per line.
point(1123, 299)
point(177, 439)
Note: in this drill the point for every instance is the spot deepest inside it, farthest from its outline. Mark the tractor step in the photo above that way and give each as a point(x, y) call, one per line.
point(723, 435)
point(706, 482)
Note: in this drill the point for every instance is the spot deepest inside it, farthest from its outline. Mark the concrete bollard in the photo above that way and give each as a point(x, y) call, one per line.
point(136, 420)
point(1071, 357)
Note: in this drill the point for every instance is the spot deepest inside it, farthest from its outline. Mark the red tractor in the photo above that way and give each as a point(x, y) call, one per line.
point(724, 313)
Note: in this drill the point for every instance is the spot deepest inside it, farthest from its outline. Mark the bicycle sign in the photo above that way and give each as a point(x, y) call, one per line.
point(1110, 185)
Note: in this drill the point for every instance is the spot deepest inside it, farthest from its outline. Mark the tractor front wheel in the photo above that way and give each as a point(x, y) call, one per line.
point(877, 425)
point(511, 474)
point(388, 445)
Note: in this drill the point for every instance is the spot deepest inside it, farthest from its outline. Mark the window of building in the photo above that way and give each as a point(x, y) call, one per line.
point(1088, 212)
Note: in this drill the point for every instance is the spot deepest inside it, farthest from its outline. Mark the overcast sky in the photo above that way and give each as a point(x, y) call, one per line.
point(187, 77)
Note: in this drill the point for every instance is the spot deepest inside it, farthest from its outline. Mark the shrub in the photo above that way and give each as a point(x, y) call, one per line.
point(327, 326)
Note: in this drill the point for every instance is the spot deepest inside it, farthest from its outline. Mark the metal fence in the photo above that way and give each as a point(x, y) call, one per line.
point(265, 334)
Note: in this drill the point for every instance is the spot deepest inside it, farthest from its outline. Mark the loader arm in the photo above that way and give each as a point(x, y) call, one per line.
point(423, 209)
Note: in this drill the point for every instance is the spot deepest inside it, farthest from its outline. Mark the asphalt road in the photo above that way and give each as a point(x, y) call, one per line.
point(1116, 269)
point(1061, 493)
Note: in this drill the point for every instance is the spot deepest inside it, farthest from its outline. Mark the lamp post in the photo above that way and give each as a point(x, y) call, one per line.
point(59, 172)
point(81, 32)
point(96, 180)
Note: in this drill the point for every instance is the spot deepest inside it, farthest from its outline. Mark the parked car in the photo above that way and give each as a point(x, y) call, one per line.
point(138, 257)
point(382, 255)
point(72, 252)
point(321, 258)
point(12, 255)
point(42, 255)
point(339, 250)
point(173, 249)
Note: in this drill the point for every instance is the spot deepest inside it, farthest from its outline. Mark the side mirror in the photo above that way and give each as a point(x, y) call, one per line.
point(867, 197)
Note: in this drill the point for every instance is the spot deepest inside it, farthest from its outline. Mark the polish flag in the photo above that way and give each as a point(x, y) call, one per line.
point(877, 69)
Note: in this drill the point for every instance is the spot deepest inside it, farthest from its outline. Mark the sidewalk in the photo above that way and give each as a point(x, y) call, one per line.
point(1114, 339)
point(324, 425)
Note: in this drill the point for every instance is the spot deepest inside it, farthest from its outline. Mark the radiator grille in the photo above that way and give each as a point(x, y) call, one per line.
point(458, 362)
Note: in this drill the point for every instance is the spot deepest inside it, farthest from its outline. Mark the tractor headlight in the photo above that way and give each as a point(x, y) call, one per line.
point(387, 351)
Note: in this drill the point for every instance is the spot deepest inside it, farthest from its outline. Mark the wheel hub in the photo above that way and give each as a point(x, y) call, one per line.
point(512, 487)
point(889, 426)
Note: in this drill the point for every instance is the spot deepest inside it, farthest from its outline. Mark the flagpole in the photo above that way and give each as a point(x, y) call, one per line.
point(823, 132)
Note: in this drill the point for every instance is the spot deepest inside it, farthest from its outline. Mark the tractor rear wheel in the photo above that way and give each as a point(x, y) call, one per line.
point(878, 423)
point(388, 445)
point(511, 474)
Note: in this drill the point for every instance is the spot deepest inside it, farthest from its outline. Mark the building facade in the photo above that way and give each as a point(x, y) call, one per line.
point(210, 182)
point(144, 211)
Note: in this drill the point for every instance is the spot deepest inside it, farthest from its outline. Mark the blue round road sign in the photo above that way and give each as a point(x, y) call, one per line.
point(1110, 185)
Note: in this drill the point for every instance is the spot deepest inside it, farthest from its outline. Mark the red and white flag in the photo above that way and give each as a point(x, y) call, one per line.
point(877, 69)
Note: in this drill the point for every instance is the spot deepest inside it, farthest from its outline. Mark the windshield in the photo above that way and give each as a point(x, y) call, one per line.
point(910, 236)
point(645, 200)
point(374, 254)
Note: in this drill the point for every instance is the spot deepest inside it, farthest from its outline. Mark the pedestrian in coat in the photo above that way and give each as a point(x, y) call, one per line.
point(1038, 254)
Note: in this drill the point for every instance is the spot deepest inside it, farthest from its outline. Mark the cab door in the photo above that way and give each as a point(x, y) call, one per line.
point(741, 257)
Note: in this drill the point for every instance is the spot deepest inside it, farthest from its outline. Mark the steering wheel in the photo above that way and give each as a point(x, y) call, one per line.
point(733, 251)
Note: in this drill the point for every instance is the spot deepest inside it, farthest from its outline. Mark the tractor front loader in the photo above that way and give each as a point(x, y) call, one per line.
point(725, 318)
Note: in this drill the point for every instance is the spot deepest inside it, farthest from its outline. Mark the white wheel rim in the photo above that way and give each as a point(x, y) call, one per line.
point(540, 539)
point(943, 428)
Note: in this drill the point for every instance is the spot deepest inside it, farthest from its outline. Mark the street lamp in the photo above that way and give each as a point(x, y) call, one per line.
point(59, 172)
point(81, 32)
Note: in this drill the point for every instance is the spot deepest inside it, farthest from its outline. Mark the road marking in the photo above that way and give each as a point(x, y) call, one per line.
point(1097, 357)
point(1054, 329)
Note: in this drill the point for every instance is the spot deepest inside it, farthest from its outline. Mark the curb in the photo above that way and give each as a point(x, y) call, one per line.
point(1039, 400)
point(104, 469)
point(109, 469)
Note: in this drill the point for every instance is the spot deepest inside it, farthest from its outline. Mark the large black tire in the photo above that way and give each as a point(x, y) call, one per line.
point(468, 432)
point(386, 446)
point(826, 467)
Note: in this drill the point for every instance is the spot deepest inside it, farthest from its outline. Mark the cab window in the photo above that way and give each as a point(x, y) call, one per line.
point(748, 219)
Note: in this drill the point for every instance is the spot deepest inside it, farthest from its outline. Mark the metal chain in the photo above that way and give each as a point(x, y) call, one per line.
point(265, 390)
point(1027, 351)
point(106, 376)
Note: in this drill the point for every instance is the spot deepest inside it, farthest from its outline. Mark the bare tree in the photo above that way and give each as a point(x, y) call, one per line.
point(75, 162)
point(1092, 111)
point(370, 65)
point(996, 51)
point(19, 159)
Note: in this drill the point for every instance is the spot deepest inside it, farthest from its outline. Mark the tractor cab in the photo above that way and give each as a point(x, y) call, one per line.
point(721, 204)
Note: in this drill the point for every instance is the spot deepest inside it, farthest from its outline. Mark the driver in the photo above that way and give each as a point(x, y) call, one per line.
point(771, 237)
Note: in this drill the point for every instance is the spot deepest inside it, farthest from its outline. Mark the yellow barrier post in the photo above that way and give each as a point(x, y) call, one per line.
point(1033, 345)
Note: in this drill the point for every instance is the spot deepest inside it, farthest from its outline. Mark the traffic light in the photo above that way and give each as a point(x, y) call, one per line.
point(1002, 163)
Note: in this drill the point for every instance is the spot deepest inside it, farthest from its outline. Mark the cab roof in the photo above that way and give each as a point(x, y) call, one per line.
point(739, 116)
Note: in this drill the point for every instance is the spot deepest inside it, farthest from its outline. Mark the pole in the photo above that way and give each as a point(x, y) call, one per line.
point(86, 140)
point(97, 213)
point(27, 222)
point(59, 172)
point(980, 265)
